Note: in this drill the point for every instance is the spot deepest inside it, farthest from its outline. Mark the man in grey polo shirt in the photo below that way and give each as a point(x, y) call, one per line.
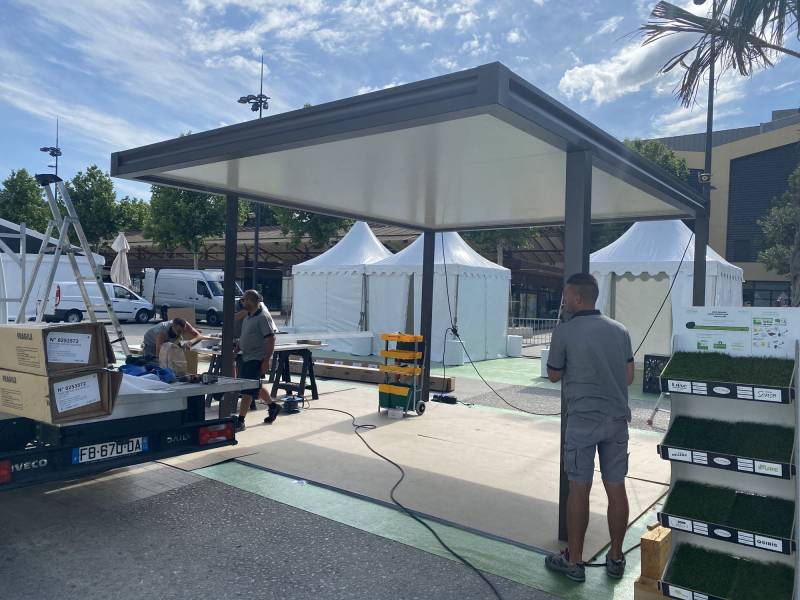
point(592, 357)
point(256, 342)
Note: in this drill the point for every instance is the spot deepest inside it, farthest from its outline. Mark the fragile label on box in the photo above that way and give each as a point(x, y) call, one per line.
point(77, 392)
point(73, 348)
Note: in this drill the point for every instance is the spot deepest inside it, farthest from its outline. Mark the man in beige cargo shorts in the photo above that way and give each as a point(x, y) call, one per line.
point(591, 355)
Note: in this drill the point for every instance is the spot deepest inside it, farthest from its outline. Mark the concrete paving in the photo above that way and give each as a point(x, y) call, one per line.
point(205, 539)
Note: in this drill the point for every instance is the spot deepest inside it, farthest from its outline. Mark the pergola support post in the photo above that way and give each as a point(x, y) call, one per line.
point(228, 404)
point(426, 320)
point(701, 225)
point(577, 239)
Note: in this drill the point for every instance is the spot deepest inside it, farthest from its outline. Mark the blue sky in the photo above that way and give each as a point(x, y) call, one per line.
point(130, 72)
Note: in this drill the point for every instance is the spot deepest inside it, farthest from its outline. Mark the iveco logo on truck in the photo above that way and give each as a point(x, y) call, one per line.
point(25, 336)
point(29, 465)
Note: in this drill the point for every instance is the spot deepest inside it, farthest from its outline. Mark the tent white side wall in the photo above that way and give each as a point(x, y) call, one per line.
point(478, 292)
point(635, 272)
point(10, 280)
point(329, 290)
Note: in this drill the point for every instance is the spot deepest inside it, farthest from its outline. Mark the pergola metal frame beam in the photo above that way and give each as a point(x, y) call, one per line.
point(489, 89)
point(486, 90)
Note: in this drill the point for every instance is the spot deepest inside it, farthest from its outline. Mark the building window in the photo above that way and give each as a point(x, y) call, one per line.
point(755, 181)
point(766, 293)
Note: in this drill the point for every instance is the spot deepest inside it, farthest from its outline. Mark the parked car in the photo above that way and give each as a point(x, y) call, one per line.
point(66, 303)
point(200, 289)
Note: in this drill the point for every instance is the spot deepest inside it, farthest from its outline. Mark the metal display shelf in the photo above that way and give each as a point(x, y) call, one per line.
point(681, 593)
point(727, 462)
point(727, 534)
point(734, 391)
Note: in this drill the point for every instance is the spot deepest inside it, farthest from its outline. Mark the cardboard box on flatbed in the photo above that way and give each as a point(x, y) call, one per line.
point(59, 398)
point(52, 349)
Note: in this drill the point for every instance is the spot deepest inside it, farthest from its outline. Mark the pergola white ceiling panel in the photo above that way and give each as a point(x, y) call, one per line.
point(476, 149)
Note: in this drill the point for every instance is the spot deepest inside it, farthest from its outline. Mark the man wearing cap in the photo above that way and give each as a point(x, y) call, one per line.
point(256, 343)
point(592, 357)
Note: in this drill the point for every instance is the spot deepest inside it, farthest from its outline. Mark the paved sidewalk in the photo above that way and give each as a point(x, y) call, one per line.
point(118, 537)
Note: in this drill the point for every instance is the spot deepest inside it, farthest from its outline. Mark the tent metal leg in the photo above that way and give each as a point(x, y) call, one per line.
point(577, 239)
point(426, 321)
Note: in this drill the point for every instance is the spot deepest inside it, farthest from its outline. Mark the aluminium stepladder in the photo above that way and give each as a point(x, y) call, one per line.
point(62, 224)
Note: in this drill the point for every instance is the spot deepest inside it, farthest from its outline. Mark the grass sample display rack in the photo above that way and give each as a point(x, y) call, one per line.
point(732, 503)
point(402, 386)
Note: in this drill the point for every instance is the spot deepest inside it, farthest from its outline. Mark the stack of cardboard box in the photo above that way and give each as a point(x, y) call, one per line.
point(57, 373)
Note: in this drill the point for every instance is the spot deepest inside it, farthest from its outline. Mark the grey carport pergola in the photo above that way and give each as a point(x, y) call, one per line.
point(477, 149)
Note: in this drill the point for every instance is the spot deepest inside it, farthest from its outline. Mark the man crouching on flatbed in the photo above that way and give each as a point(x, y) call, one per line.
point(591, 355)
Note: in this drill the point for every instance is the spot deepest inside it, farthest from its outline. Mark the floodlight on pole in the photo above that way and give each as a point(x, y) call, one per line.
point(258, 104)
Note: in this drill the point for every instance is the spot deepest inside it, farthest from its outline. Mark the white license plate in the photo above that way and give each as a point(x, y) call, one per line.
point(108, 450)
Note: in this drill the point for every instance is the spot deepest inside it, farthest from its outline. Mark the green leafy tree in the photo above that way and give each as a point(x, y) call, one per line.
point(22, 201)
point(132, 214)
point(661, 154)
point(95, 201)
point(307, 225)
point(780, 239)
point(494, 242)
point(183, 219)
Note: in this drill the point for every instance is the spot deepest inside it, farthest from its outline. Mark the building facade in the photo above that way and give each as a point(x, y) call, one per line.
point(750, 168)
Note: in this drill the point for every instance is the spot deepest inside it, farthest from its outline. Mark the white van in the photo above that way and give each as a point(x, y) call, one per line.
point(200, 289)
point(66, 303)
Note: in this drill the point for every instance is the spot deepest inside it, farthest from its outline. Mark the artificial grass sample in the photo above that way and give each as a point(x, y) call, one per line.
point(702, 570)
point(729, 508)
point(760, 580)
point(773, 516)
point(750, 440)
point(699, 501)
point(713, 366)
point(728, 577)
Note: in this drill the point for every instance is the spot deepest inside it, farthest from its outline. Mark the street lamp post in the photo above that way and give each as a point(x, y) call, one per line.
point(54, 152)
point(702, 225)
point(259, 104)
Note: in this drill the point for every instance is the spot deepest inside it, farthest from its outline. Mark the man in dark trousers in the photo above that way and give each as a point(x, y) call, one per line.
point(591, 356)
point(256, 342)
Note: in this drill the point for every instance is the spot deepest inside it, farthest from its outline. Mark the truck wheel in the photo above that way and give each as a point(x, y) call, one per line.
point(143, 316)
point(164, 315)
point(73, 316)
point(212, 318)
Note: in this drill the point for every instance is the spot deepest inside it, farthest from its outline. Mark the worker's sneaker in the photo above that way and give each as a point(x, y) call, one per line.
point(240, 426)
point(615, 568)
point(273, 408)
point(559, 562)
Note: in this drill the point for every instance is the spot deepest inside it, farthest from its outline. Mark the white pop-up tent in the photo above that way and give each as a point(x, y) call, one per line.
point(16, 269)
point(329, 290)
point(478, 290)
point(635, 273)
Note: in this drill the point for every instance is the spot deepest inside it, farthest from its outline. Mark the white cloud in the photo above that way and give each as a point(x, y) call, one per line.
point(515, 36)
point(478, 46)
point(628, 70)
point(467, 21)
point(539, 2)
point(447, 63)
point(730, 89)
point(610, 25)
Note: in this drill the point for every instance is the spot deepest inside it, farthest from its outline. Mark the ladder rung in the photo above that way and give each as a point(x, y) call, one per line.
point(86, 278)
point(401, 337)
point(398, 370)
point(398, 390)
point(401, 354)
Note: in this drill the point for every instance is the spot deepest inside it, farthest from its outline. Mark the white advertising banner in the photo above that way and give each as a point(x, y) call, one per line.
point(737, 331)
